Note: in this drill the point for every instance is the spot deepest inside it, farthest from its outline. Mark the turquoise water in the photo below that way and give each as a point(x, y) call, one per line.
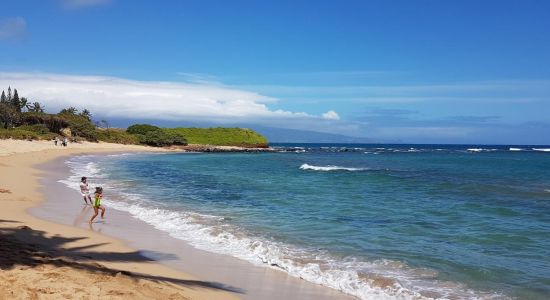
point(391, 221)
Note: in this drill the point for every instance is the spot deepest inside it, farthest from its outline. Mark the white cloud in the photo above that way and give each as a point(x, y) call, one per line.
point(331, 115)
point(122, 98)
point(83, 3)
point(12, 28)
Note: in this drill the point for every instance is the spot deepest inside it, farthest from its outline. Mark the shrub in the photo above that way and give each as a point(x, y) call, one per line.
point(222, 136)
point(38, 128)
point(9, 116)
point(48, 136)
point(18, 134)
point(54, 123)
point(80, 126)
point(141, 129)
point(162, 137)
point(115, 135)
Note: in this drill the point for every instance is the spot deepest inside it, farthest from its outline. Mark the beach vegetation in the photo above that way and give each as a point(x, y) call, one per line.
point(141, 129)
point(219, 136)
point(79, 124)
point(34, 107)
point(15, 101)
point(53, 122)
point(18, 134)
point(37, 128)
point(222, 136)
point(23, 119)
point(117, 135)
point(86, 114)
point(162, 137)
point(9, 116)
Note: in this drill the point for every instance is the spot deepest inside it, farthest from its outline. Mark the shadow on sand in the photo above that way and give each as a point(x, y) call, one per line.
point(24, 246)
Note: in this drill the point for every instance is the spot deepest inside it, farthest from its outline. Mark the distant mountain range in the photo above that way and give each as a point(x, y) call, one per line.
point(274, 135)
point(282, 135)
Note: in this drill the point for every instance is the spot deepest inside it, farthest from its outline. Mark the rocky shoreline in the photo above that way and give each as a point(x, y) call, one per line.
point(218, 149)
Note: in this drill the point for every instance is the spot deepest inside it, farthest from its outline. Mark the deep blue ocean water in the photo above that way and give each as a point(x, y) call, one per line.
point(395, 221)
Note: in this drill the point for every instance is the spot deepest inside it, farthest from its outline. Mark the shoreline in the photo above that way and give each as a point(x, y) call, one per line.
point(257, 282)
point(220, 149)
point(107, 258)
point(49, 260)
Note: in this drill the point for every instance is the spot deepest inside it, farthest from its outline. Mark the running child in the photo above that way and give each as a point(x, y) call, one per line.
point(85, 190)
point(97, 204)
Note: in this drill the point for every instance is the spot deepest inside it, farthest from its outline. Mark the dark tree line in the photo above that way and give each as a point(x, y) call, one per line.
point(20, 104)
point(11, 107)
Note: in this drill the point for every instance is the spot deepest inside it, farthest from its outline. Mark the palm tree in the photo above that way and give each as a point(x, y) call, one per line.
point(23, 103)
point(35, 107)
point(71, 110)
point(86, 114)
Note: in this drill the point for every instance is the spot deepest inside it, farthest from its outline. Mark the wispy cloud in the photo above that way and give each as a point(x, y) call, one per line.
point(389, 112)
point(75, 4)
point(198, 78)
point(474, 119)
point(12, 29)
point(122, 98)
point(501, 91)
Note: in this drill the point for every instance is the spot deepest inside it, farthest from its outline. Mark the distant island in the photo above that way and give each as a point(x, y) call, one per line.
point(21, 119)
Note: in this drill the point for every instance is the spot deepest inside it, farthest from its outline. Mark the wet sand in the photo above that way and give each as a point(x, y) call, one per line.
point(46, 260)
point(64, 205)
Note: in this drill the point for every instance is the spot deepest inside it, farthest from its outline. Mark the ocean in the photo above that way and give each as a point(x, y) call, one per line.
point(373, 221)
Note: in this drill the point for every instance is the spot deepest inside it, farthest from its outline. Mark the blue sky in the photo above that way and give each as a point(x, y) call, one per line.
point(413, 71)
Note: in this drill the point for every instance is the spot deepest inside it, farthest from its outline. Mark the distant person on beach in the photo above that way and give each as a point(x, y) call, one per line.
point(85, 190)
point(97, 204)
point(55, 141)
point(65, 141)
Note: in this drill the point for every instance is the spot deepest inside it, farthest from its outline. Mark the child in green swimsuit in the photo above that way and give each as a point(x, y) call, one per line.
point(97, 203)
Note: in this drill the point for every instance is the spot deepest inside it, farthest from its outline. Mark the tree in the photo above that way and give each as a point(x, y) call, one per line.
point(3, 98)
point(141, 128)
point(35, 107)
point(104, 124)
point(9, 94)
point(86, 114)
point(23, 103)
point(162, 137)
point(71, 110)
point(8, 115)
point(15, 101)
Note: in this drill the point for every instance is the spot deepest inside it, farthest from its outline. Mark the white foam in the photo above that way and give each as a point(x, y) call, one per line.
point(212, 233)
point(206, 233)
point(515, 149)
point(480, 150)
point(329, 168)
point(541, 149)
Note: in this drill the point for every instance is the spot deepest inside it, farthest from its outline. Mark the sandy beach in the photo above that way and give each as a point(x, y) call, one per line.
point(44, 260)
point(49, 251)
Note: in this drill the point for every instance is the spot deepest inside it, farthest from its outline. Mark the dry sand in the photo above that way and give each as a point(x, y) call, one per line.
point(44, 260)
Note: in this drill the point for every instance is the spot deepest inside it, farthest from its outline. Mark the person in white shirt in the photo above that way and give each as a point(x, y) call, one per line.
point(85, 190)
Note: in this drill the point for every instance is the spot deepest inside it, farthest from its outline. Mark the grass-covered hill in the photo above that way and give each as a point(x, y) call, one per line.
point(21, 120)
point(219, 136)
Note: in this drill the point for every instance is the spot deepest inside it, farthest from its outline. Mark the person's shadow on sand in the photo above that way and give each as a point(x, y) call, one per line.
point(24, 246)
